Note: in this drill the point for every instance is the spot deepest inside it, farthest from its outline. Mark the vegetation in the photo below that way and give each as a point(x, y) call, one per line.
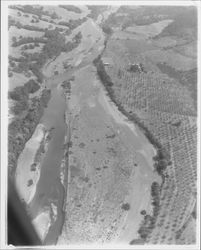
point(54, 45)
point(66, 86)
point(53, 42)
point(30, 182)
point(31, 86)
point(125, 206)
point(160, 104)
point(21, 96)
point(107, 30)
point(96, 10)
point(33, 167)
point(12, 22)
point(162, 160)
point(149, 221)
point(31, 9)
point(73, 24)
point(184, 19)
point(143, 212)
point(186, 78)
point(137, 242)
point(184, 25)
point(22, 128)
point(71, 8)
point(146, 98)
point(26, 40)
point(28, 112)
point(102, 73)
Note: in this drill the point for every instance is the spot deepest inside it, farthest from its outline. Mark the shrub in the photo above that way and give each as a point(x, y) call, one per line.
point(107, 30)
point(104, 77)
point(125, 206)
point(19, 93)
point(31, 86)
point(10, 74)
point(19, 107)
point(30, 182)
point(33, 167)
point(143, 212)
point(137, 242)
point(71, 8)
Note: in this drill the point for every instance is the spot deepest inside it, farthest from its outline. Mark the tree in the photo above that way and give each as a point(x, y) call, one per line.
point(125, 206)
point(106, 29)
point(14, 39)
point(143, 212)
point(54, 15)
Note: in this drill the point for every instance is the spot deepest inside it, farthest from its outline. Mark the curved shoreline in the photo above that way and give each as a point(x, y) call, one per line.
point(149, 152)
point(32, 149)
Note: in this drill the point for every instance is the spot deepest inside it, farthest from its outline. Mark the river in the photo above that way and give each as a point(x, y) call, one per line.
point(50, 199)
point(50, 190)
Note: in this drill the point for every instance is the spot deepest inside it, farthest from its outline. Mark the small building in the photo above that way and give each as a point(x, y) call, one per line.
point(136, 67)
point(107, 61)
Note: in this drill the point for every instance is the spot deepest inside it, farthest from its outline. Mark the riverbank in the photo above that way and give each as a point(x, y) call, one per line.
point(85, 102)
point(93, 140)
point(112, 109)
point(160, 153)
point(44, 196)
point(150, 154)
point(22, 128)
point(154, 159)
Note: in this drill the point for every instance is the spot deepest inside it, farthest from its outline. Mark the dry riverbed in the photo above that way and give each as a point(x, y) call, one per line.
point(109, 174)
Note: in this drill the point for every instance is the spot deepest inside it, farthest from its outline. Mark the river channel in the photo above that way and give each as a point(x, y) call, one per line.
point(49, 187)
point(50, 193)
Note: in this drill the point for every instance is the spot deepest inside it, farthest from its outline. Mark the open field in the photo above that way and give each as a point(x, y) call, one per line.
point(66, 15)
point(106, 168)
point(149, 30)
point(18, 80)
point(15, 32)
point(172, 58)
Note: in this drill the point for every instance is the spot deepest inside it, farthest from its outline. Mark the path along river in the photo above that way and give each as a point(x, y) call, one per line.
point(48, 201)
